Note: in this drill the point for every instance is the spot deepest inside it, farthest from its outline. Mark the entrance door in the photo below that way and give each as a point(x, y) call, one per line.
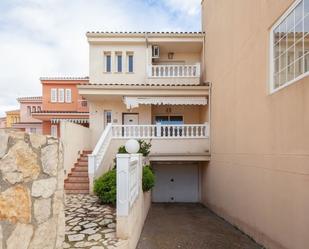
point(130, 119)
point(176, 183)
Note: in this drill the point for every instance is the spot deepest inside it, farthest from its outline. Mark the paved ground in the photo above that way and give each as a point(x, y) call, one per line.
point(190, 226)
point(89, 224)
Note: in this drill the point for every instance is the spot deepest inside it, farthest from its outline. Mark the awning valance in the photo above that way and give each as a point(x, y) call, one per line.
point(133, 102)
point(73, 120)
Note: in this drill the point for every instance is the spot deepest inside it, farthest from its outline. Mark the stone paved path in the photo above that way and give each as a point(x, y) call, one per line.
point(89, 224)
point(190, 226)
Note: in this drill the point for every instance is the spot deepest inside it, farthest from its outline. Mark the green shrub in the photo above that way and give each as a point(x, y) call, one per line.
point(144, 147)
point(122, 150)
point(148, 178)
point(105, 187)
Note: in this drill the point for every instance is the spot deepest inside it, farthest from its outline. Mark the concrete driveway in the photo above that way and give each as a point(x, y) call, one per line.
point(190, 226)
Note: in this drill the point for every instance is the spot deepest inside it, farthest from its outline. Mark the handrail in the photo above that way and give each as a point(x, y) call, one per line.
point(168, 70)
point(157, 131)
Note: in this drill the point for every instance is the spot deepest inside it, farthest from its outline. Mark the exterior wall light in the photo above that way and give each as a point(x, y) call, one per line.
point(132, 146)
point(170, 55)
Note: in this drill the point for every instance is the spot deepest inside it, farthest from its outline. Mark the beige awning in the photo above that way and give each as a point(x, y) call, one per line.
point(133, 102)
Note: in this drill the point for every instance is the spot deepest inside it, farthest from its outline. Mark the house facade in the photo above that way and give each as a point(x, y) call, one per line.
point(61, 101)
point(3, 122)
point(27, 123)
point(257, 178)
point(150, 86)
point(12, 117)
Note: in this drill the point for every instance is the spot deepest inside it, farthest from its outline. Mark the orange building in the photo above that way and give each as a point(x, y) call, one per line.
point(61, 102)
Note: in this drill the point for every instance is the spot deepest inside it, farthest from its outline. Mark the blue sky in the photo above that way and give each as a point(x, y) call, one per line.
point(47, 37)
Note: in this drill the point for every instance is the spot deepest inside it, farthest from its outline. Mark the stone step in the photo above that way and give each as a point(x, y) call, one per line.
point(83, 159)
point(80, 191)
point(80, 169)
point(78, 173)
point(80, 163)
point(76, 186)
point(87, 152)
point(77, 179)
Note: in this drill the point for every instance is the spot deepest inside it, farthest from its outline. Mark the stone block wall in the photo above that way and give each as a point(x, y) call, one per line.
point(31, 191)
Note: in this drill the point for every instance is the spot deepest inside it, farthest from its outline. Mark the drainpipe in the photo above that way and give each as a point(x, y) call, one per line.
point(147, 56)
point(209, 115)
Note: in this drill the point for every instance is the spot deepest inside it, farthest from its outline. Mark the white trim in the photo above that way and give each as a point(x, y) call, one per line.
point(271, 87)
point(68, 95)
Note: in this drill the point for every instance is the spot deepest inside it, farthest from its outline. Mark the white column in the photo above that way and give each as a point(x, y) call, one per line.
point(123, 162)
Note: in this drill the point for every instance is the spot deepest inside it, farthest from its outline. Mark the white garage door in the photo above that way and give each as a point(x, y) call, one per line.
point(176, 183)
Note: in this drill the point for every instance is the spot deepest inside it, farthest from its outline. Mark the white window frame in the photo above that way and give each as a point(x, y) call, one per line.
point(272, 88)
point(61, 96)
point(53, 95)
point(118, 54)
point(105, 62)
point(105, 117)
point(68, 95)
point(128, 65)
point(54, 130)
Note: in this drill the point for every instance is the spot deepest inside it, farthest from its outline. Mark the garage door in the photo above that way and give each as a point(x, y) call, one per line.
point(176, 183)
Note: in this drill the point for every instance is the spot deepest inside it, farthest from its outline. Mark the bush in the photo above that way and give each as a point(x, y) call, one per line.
point(105, 187)
point(144, 147)
point(148, 178)
point(122, 150)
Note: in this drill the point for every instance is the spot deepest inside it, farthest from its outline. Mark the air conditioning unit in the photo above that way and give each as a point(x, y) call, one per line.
point(155, 51)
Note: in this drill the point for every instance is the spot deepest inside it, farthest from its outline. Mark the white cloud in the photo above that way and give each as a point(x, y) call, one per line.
point(44, 38)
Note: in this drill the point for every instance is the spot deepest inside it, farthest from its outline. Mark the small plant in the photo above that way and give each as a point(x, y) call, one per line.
point(105, 187)
point(144, 147)
point(122, 150)
point(148, 178)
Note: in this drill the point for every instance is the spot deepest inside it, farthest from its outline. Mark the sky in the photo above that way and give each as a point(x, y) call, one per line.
point(47, 37)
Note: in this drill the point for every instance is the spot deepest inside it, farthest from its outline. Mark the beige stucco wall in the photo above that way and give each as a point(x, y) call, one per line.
point(75, 138)
point(96, 70)
point(258, 175)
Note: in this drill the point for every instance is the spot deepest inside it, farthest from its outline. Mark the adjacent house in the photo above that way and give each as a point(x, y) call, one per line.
point(3, 122)
point(61, 101)
point(12, 117)
point(256, 56)
point(29, 105)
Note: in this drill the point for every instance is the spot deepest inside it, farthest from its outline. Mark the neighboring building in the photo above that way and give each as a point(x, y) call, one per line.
point(257, 63)
point(149, 86)
point(61, 101)
point(3, 122)
point(27, 123)
point(12, 117)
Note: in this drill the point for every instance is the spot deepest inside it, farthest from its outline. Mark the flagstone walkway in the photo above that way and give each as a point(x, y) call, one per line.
point(89, 224)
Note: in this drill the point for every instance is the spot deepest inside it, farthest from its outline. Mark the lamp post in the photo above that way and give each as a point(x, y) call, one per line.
point(132, 146)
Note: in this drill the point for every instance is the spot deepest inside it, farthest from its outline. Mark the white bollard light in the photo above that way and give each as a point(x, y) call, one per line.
point(132, 146)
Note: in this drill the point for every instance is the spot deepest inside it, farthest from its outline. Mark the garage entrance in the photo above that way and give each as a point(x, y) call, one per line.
point(176, 182)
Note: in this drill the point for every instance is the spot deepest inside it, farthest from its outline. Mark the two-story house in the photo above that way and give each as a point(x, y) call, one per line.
point(27, 123)
point(61, 101)
point(149, 85)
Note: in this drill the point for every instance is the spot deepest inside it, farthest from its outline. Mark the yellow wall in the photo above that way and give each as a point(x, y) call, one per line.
point(12, 118)
point(258, 177)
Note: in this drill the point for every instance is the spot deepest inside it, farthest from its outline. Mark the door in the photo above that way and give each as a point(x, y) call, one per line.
point(176, 183)
point(130, 119)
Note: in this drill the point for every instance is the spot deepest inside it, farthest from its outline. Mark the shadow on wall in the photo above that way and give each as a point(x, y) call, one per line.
point(31, 191)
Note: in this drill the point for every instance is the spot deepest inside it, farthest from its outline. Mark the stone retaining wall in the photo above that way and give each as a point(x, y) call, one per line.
point(31, 191)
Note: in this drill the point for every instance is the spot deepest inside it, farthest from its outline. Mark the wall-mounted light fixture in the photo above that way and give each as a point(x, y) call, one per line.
point(170, 55)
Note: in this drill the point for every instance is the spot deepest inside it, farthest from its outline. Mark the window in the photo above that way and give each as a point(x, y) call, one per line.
point(107, 117)
point(54, 131)
point(130, 63)
point(32, 130)
point(108, 63)
point(29, 110)
point(39, 108)
point(33, 109)
point(61, 95)
point(53, 95)
point(119, 63)
point(155, 51)
point(290, 46)
point(68, 95)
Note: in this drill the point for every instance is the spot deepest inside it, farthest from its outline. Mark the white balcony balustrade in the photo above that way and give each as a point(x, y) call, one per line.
point(168, 71)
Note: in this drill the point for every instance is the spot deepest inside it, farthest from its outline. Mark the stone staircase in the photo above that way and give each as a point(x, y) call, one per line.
point(78, 180)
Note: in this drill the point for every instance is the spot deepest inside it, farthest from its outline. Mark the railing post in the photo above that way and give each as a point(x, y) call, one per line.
point(123, 184)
